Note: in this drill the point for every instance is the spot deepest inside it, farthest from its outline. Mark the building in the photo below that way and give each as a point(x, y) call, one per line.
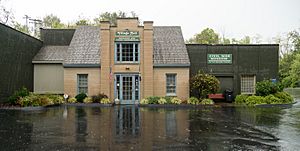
point(127, 62)
point(238, 67)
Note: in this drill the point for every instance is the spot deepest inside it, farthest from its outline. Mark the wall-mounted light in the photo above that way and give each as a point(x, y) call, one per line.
point(127, 68)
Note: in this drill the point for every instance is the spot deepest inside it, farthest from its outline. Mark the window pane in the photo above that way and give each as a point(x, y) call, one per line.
point(128, 52)
point(171, 84)
point(248, 84)
point(82, 84)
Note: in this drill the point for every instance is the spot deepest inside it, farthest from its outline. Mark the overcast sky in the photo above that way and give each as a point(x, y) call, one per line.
point(234, 18)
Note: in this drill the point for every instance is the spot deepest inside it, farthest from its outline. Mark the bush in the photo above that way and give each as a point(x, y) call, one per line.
point(98, 98)
point(72, 100)
point(204, 84)
point(87, 100)
point(241, 99)
point(271, 99)
point(176, 101)
point(57, 99)
point(17, 95)
point(193, 100)
point(105, 101)
point(162, 101)
point(35, 100)
point(168, 99)
point(80, 97)
point(207, 101)
point(253, 100)
point(153, 99)
point(284, 97)
point(267, 87)
point(144, 101)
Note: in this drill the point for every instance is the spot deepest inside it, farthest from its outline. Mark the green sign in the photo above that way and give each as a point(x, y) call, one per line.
point(219, 58)
point(127, 36)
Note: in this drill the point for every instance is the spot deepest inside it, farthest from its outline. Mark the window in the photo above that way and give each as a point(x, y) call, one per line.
point(171, 84)
point(248, 84)
point(82, 83)
point(127, 52)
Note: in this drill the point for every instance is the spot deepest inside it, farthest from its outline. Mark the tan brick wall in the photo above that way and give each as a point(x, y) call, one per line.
point(70, 80)
point(182, 81)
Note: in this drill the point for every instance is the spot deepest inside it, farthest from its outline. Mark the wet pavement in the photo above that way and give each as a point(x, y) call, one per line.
point(142, 128)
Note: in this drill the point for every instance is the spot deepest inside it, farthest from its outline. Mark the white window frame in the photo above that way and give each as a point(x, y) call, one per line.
point(169, 75)
point(119, 50)
point(251, 83)
point(80, 85)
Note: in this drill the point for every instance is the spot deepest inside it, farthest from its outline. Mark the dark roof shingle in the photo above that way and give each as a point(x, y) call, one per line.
point(51, 53)
point(168, 46)
point(85, 46)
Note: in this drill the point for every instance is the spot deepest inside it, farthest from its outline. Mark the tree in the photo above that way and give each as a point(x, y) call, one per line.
point(207, 36)
point(295, 71)
point(203, 84)
point(112, 17)
point(6, 16)
point(52, 21)
point(245, 40)
point(22, 28)
point(82, 22)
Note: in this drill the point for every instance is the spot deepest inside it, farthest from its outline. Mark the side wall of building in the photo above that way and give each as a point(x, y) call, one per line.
point(182, 81)
point(58, 37)
point(49, 78)
point(70, 80)
point(259, 60)
point(16, 52)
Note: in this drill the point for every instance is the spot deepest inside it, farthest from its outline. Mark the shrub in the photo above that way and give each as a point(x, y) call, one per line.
point(144, 101)
point(18, 94)
point(87, 100)
point(80, 97)
point(72, 100)
point(176, 101)
point(204, 84)
point(193, 100)
point(267, 87)
point(105, 101)
point(253, 100)
point(57, 99)
point(241, 99)
point(271, 99)
point(207, 101)
point(35, 100)
point(98, 98)
point(168, 99)
point(153, 99)
point(162, 101)
point(284, 97)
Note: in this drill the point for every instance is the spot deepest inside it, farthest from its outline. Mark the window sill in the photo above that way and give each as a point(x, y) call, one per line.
point(127, 63)
point(172, 95)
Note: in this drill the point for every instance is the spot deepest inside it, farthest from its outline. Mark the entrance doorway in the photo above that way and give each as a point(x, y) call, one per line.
point(127, 88)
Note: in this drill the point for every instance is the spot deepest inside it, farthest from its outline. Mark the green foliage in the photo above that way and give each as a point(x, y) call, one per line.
point(144, 101)
point(284, 97)
point(35, 100)
point(112, 17)
point(193, 100)
point(207, 101)
point(253, 100)
point(162, 101)
point(267, 87)
point(105, 101)
point(98, 98)
point(17, 95)
point(52, 21)
point(168, 99)
point(72, 100)
point(204, 84)
point(57, 99)
point(241, 99)
point(207, 36)
point(21, 28)
point(80, 97)
point(87, 100)
point(176, 100)
point(153, 99)
point(271, 99)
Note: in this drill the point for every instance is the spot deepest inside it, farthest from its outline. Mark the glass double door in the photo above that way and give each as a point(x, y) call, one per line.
point(127, 88)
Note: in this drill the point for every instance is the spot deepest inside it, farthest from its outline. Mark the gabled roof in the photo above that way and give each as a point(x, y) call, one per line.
point(169, 47)
point(51, 54)
point(84, 48)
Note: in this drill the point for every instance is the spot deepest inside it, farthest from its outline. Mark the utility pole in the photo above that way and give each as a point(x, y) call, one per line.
point(26, 17)
point(37, 24)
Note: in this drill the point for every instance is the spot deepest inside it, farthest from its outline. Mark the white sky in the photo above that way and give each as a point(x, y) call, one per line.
point(234, 18)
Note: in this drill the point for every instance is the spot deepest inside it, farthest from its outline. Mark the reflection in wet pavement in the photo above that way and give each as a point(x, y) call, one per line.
point(134, 128)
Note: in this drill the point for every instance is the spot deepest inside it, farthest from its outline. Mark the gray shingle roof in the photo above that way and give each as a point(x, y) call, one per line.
point(85, 46)
point(169, 46)
point(51, 53)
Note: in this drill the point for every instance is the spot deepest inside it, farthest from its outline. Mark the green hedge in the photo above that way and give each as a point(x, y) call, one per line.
point(277, 98)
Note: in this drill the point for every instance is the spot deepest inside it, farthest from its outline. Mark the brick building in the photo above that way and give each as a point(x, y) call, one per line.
point(127, 62)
